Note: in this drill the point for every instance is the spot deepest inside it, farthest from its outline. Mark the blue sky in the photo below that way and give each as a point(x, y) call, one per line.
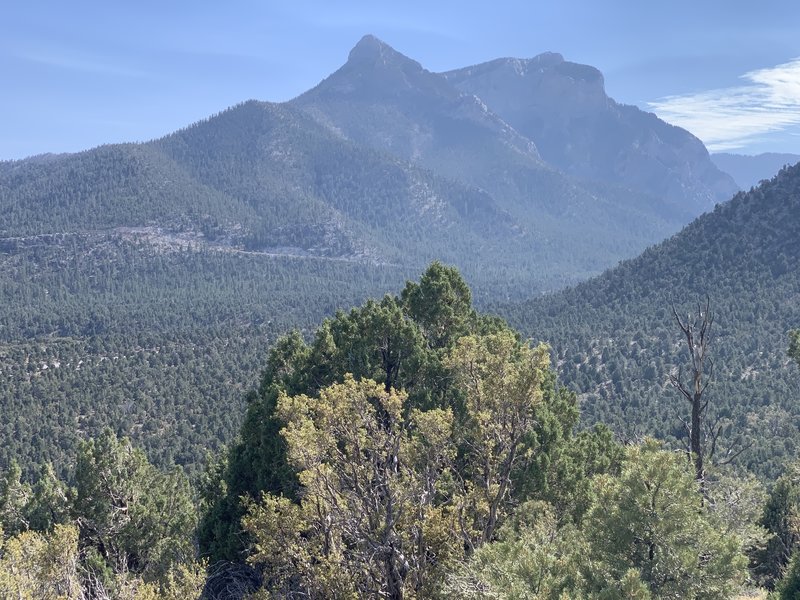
point(78, 74)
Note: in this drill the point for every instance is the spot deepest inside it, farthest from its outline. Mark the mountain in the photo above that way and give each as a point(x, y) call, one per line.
point(616, 341)
point(141, 283)
point(563, 108)
point(268, 179)
point(748, 171)
point(252, 172)
point(384, 100)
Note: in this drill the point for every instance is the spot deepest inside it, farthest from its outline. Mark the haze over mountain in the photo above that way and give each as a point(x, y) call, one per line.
point(197, 249)
point(616, 340)
point(563, 108)
point(488, 123)
point(385, 137)
point(386, 100)
point(748, 171)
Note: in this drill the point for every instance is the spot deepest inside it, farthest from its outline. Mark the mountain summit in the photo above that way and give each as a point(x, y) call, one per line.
point(469, 123)
point(371, 50)
point(386, 100)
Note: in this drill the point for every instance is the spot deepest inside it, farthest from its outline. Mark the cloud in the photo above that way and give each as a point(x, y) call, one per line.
point(61, 60)
point(734, 117)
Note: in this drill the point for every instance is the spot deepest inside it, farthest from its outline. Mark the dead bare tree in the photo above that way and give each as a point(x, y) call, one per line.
point(697, 333)
point(703, 430)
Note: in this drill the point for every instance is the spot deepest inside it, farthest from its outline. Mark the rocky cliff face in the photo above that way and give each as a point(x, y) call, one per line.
point(564, 109)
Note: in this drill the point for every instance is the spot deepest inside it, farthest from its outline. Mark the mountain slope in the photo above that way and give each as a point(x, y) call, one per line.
point(189, 254)
point(254, 172)
point(748, 171)
point(563, 108)
point(384, 100)
point(616, 340)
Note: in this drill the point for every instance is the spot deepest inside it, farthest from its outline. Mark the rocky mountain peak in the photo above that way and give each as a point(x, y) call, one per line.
point(371, 51)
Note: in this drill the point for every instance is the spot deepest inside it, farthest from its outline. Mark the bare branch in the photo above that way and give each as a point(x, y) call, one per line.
point(729, 459)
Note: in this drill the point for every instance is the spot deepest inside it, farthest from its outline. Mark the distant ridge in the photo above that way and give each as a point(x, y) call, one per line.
point(749, 171)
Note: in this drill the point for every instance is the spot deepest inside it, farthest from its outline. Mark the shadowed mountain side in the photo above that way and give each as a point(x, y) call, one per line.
point(389, 102)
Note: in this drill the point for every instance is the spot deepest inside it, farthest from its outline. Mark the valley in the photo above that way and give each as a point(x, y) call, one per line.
point(410, 333)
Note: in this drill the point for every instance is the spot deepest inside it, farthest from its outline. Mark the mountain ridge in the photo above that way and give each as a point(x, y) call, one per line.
point(616, 341)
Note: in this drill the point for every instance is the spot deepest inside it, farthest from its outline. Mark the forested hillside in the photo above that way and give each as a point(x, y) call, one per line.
point(160, 345)
point(616, 340)
point(143, 283)
point(410, 448)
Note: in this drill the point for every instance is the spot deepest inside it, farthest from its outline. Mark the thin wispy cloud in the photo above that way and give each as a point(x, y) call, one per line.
point(85, 64)
point(734, 117)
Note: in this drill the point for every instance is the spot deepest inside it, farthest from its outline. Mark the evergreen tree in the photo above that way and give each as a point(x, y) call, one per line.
point(132, 517)
point(651, 519)
point(794, 345)
point(781, 519)
point(383, 341)
point(14, 497)
point(371, 520)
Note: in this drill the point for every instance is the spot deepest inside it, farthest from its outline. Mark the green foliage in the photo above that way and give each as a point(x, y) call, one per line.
point(387, 455)
point(35, 566)
point(532, 559)
point(376, 341)
point(736, 500)
point(161, 347)
point(651, 518)
point(135, 517)
point(50, 503)
point(502, 382)
point(390, 494)
point(615, 341)
point(14, 498)
point(788, 587)
point(372, 519)
point(794, 345)
point(440, 304)
point(646, 535)
point(568, 487)
point(780, 518)
point(399, 342)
